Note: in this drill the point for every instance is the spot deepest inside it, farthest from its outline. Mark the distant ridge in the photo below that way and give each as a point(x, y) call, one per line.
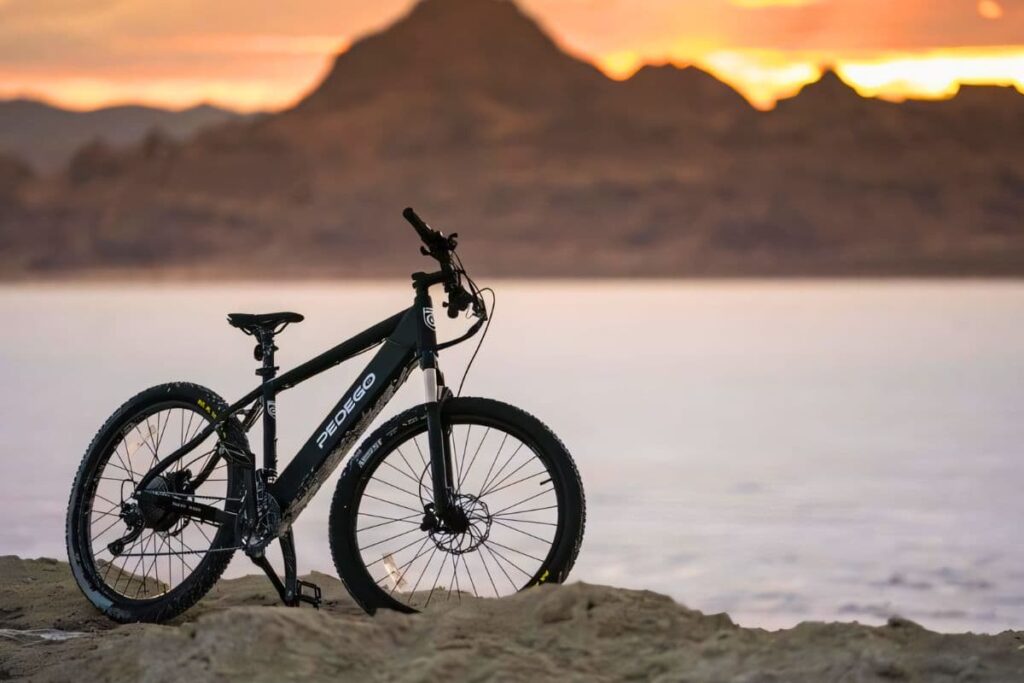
point(689, 86)
point(468, 110)
point(45, 135)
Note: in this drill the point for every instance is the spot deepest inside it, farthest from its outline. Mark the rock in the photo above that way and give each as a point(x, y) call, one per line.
point(576, 632)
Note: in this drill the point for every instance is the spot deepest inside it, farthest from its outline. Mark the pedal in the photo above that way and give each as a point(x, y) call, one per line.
point(314, 597)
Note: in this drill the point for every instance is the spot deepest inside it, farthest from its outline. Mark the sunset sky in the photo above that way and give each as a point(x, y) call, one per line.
point(263, 54)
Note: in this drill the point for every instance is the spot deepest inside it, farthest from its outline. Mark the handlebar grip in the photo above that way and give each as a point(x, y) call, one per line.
point(424, 230)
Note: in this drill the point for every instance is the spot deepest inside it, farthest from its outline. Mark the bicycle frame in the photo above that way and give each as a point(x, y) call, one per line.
point(407, 337)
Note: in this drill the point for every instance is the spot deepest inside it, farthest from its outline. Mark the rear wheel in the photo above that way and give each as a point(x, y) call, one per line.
point(519, 519)
point(174, 561)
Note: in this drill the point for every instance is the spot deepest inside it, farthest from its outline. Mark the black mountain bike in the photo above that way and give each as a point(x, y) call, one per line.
point(455, 497)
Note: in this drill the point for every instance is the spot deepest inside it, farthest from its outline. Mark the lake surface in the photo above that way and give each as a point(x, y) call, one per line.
point(780, 451)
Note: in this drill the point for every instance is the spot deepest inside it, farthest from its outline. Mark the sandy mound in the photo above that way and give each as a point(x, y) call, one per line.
point(577, 632)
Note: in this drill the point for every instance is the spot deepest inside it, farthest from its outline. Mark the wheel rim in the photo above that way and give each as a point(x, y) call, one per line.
point(507, 493)
point(164, 555)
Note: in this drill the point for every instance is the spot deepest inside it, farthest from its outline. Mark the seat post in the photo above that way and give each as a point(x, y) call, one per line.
point(264, 352)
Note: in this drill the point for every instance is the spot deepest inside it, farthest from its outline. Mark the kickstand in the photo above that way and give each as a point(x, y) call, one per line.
point(293, 590)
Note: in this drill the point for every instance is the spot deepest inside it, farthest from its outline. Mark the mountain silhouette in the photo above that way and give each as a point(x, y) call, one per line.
point(46, 136)
point(470, 111)
point(458, 48)
point(687, 88)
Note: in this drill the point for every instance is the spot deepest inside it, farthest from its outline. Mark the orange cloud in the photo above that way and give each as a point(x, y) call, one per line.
point(83, 93)
point(772, 3)
point(936, 74)
point(88, 53)
point(990, 9)
point(766, 76)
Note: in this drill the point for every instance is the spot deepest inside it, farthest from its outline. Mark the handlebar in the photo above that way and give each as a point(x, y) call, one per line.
point(441, 248)
point(427, 234)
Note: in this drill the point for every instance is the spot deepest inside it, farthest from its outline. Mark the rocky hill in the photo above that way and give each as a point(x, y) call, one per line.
point(48, 632)
point(470, 111)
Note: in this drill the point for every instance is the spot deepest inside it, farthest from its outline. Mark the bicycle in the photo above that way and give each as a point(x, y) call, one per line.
point(169, 488)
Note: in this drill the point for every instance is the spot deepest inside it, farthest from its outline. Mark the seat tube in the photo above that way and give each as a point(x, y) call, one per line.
point(267, 373)
point(440, 458)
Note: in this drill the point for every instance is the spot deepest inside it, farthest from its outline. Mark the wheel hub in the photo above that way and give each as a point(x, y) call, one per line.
point(465, 527)
point(154, 515)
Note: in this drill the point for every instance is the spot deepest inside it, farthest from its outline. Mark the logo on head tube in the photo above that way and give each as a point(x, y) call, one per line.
point(428, 318)
point(272, 408)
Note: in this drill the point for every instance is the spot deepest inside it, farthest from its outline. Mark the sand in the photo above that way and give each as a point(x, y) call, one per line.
point(577, 632)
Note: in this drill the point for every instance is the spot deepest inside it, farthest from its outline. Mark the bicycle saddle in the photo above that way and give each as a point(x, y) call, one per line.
point(270, 322)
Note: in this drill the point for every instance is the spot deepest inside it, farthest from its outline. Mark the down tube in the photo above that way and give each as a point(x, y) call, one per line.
point(336, 435)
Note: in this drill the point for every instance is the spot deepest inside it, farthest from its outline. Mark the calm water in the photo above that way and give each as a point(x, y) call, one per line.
point(783, 452)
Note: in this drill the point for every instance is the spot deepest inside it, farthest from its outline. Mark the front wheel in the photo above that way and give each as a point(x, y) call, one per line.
point(519, 499)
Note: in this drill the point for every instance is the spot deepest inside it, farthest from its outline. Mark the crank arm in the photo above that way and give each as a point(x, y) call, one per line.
point(292, 589)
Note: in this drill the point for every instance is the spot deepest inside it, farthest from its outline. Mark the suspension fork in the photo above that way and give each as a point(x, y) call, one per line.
point(433, 386)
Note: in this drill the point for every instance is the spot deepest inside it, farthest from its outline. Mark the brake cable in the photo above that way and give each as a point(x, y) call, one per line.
point(487, 313)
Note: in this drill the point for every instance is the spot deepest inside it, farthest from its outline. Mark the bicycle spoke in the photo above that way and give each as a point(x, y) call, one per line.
point(495, 461)
point(404, 507)
point(424, 570)
point(514, 584)
point(109, 512)
point(420, 552)
point(161, 431)
point(404, 547)
point(434, 587)
point(470, 575)
point(520, 552)
point(208, 539)
point(483, 561)
point(120, 567)
point(197, 459)
point(391, 538)
point(402, 455)
point(415, 481)
point(188, 428)
point(407, 520)
point(525, 533)
point(112, 525)
point(145, 439)
point(399, 488)
point(523, 512)
point(145, 571)
point(460, 462)
point(492, 489)
point(142, 559)
point(465, 475)
point(133, 574)
point(110, 464)
point(393, 519)
point(417, 444)
point(525, 500)
point(518, 481)
point(498, 473)
point(455, 580)
point(107, 500)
